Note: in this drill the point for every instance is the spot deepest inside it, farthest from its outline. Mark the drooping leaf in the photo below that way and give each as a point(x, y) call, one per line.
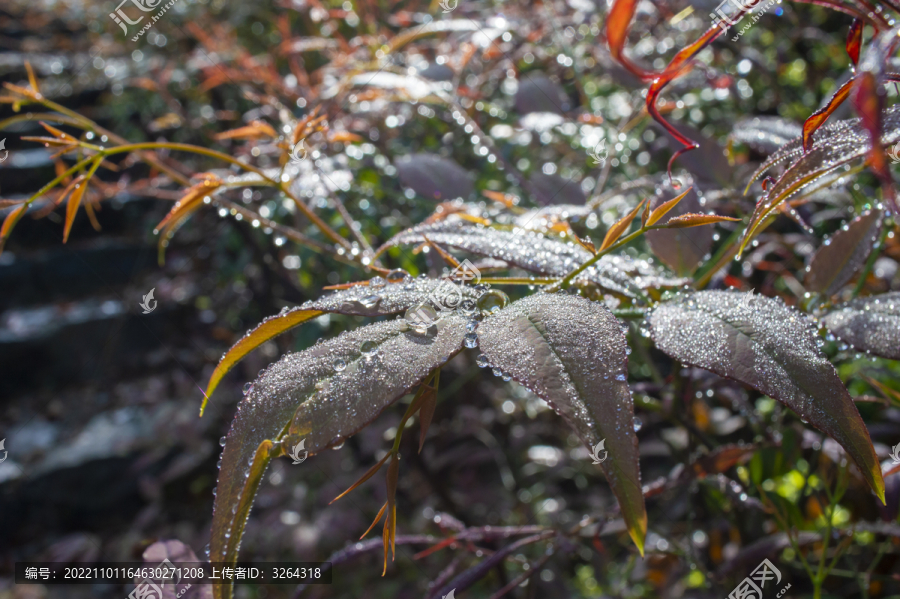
point(841, 256)
point(321, 395)
point(869, 324)
point(764, 344)
point(189, 203)
point(434, 177)
point(10, 221)
point(833, 146)
point(618, 22)
point(571, 352)
point(360, 300)
point(765, 133)
point(72, 206)
point(540, 254)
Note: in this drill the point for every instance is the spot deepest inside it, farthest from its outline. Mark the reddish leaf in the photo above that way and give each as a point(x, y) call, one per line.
point(840, 257)
point(854, 40)
point(618, 22)
point(817, 118)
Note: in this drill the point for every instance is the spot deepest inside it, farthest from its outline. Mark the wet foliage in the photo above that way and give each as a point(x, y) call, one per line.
point(680, 240)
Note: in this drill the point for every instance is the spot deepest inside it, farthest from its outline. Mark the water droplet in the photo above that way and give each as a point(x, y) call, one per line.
point(247, 388)
point(492, 301)
point(368, 348)
point(339, 365)
point(420, 317)
point(497, 372)
point(638, 424)
point(222, 441)
point(467, 307)
point(471, 340)
point(376, 282)
point(397, 276)
point(471, 326)
point(370, 301)
point(482, 361)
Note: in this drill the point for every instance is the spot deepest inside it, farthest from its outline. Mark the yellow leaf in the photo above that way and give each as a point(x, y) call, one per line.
point(72, 206)
point(9, 222)
point(369, 474)
point(695, 220)
point(620, 227)
point(189, 203)
point(662, 209)
point(268, 329)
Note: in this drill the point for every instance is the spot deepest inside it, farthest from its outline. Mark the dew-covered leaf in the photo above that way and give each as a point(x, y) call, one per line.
point(360, 300)
point(540, 254)
point(692, 219)
point(843, 254)
point(321, 396)
point(762, 343)
point(571, 352)
point(833, 145)
point(434, 177)
point(765, 133)
point(869, 324)
point(537, 93)
point(682, 251)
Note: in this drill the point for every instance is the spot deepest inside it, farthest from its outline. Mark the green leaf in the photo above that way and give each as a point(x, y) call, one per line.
point(321, 396)
point(762, 343)
point(572, 353)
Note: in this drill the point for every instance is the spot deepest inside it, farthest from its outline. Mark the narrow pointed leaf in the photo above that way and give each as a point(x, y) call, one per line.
point(834, 145)
point(818, 118)
point(540, 254)
point(695, 220)
point(376, 520)
point(663, 209)
point(682, 251)
point(619, 228)
point(72, 207)
point(360, 300)
point(854, 40)
point(618, 22)
point(321, 396)
point(9, 222)
point(571, 352)
point(836, 262)
point(869, 324)
point(369, 474)
point(764, 344)
point(426, 414)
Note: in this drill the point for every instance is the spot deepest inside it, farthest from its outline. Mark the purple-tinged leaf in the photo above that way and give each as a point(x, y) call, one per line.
point(869, 324)
point(765, 133)
point(434, 177)
point(572, 353)
point(764, 344)
point(320, 396)
point(843, 254)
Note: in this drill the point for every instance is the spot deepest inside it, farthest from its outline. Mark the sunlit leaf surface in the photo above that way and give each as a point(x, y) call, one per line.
point(321, 395)
point(540, 254)
point(381, 297)
point(572, 353)
point(761, 342)
point(870, 324)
